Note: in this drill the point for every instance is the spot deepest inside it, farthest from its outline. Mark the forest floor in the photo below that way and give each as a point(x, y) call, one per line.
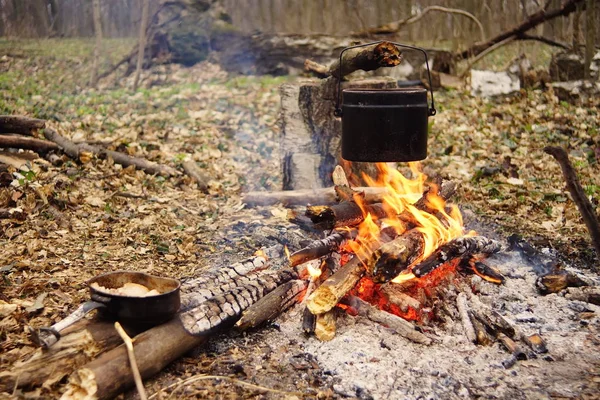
point(90, 217)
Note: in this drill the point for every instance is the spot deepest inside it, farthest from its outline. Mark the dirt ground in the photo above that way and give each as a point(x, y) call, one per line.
point(90, 216)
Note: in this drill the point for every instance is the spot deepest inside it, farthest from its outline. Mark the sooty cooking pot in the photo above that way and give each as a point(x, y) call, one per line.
point(385, 125)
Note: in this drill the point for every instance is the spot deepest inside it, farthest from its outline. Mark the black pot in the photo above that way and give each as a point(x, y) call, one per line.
point(385, 125)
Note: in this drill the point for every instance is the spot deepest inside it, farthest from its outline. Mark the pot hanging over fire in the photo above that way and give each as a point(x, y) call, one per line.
point(385, 125)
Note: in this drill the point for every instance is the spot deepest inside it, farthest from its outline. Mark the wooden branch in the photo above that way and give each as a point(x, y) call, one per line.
point(108, 375)
point(397, 324)
point(534, 20)
point(320, 70)
point(463, 311)
point(307, 196)
point(132, 361)
point(542, 39)
point(579, 197)
point(396, 296)
point(484, 53)
point(75, 151)
point(25, 143)
point(369, 58)
point(470, 265)
point(191, 169)
point(273, 304)
point(513, 348)
point(17, 124)
point(394, 27)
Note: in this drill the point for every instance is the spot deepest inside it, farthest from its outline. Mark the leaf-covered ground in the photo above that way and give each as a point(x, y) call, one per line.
point(86, 217)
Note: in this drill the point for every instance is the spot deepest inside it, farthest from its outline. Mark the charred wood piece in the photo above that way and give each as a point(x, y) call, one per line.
point(397, 297)
point(470, 265)
point(481, 334)
point(273, 304)
point(198, 290)
point(554, 283)
point(395, 323)
point(543, 264)
point(512, 347)
point(322, 247)
point(463, 310)
point(536, 343)
point(393, 257)
point(309, 322)
point(459, 247)
point(586, 294)
point(226, 308)
point(19, 124)
point(494, 322)
point(344, 214)
point(369, 58)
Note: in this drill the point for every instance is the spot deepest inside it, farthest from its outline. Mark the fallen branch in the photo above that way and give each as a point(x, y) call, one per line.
point(191, 169)
point(320, 70)
point(368, 58)
point(75, 151)
point(307, 196)
point(25, 143)
point(132, 362)
point(17, 124)
point(579, 197)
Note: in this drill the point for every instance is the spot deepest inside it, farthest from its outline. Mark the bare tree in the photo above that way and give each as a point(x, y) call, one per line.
point(97, 48)
point(141, 43)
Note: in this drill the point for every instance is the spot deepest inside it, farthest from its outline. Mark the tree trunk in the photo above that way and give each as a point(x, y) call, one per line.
point(97, 48)
point(141, 44)
point(590, 36)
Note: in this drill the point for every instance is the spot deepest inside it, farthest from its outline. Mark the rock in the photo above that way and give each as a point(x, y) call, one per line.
point(576, 92)
point(566, 66)
point(490, 83)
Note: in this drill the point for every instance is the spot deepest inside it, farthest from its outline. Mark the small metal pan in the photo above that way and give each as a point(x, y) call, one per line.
point(139, 311)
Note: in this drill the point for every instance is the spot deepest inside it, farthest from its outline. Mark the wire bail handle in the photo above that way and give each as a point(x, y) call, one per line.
point(338, 110)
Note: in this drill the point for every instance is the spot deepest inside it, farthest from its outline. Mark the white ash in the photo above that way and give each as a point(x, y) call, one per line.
point(367, 360)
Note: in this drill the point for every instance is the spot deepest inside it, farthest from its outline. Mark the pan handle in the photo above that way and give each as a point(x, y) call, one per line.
point(47, 336)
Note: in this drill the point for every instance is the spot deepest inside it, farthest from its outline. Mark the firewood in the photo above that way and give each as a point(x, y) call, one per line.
point(132, 361)
point(196, 291)
point(578, 194)
point(493, 322)
point(320, 70)
point(302, 197)
point(463, 310)
point(395, 256)
point(325, 325)
point(25, 143)
point(344, 214)
point(536, 343)
point(470, 265)
point(273, 304)
point(397, 297)
point(191, 169)
point(339, 177)
point(481, 334)
point(335, 287)
point(459, 247)
point(17, 124)
point(554, 283)
point(397, 324)
point(79, 344)
point(76, 151)
point(368, 58)
point(108, 375)
point(309, 322)
point(322, 247)
point(220, 311)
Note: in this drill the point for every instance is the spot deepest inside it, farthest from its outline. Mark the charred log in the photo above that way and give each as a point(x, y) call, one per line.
point(554, 283)
point(343, 214)
point(394, 257)
point(536, 343)
point(322, 247)
point(470, 265)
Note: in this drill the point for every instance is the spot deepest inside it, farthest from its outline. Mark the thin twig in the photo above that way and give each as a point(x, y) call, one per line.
point(178, 385)
point(134, 367)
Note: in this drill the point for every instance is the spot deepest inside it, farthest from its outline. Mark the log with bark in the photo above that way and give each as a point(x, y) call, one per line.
point(301, 197)
point(26, 143)
point(395, 256)
point(322, 247)
point(347, 213)
point(22, 125)
point(368, 58)
point(77, 151)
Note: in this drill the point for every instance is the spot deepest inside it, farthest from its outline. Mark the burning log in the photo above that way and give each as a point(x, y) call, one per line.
point(397, 324)
point(17, 124)
point(325, 325)
point(322, 247)
point(270, 306)
point(463, 310)
point(459, 247)
point(344, 214)
point(196, 291)
point(395, 296)
point(218, 311)
point(393, 257)
point(326, 296)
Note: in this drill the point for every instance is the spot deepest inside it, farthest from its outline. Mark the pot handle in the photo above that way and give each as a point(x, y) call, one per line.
point(338, 109)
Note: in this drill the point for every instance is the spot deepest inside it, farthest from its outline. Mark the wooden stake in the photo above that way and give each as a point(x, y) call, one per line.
point(134, 368)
